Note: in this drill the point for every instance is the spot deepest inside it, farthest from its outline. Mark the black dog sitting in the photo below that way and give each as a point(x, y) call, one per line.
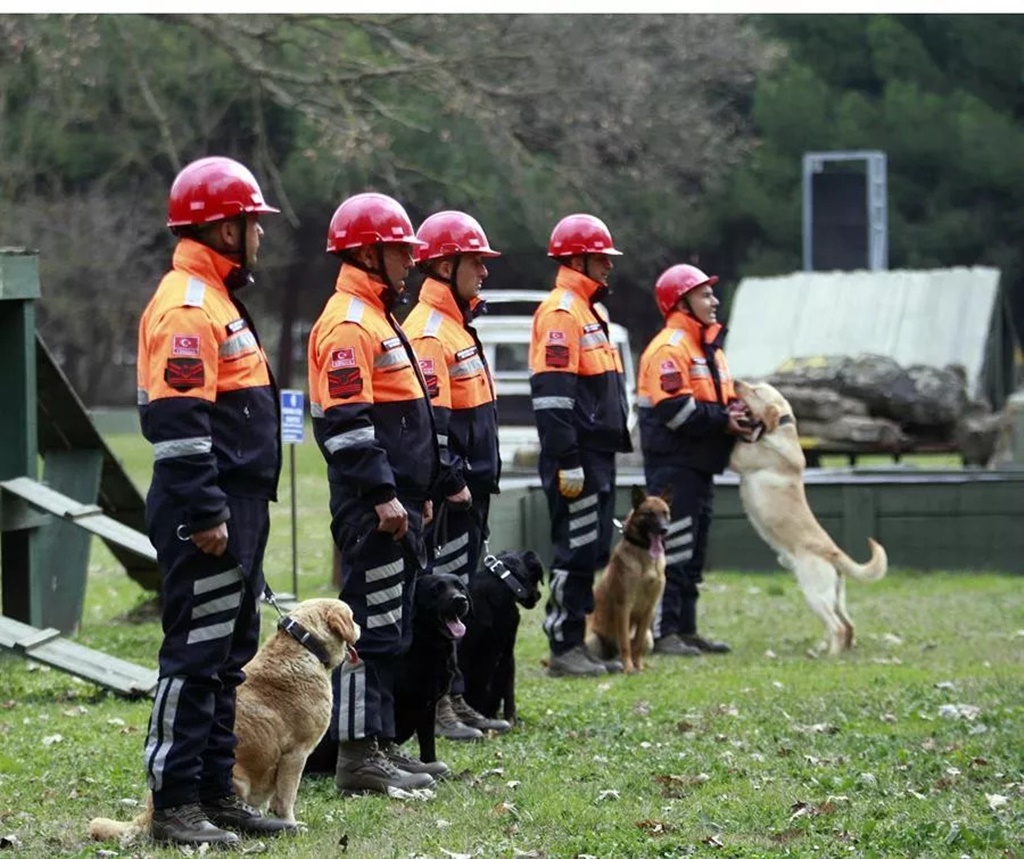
point(424, 673)
point(487, 653)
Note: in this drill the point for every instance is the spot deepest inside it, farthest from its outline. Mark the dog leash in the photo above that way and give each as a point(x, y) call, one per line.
point(497, 567)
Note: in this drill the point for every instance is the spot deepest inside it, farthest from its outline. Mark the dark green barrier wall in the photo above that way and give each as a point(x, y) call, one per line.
point(945, 520)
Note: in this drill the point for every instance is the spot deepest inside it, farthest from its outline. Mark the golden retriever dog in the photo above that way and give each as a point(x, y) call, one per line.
point(283, 709)
point(626, 596)
point(771, 469)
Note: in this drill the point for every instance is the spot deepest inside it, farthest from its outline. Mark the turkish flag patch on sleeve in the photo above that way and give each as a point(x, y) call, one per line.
point(344, 382)
point(184, 374)
point(430, 377)
point(671, 377)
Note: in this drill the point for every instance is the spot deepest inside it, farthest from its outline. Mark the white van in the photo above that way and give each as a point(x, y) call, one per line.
point(506, 340)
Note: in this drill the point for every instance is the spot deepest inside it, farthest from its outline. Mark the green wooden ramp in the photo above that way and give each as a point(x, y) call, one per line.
point(48, 647)
point(66, 430)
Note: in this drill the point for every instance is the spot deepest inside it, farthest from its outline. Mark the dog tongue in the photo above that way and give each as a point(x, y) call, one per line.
point(457, 628)
point(353, 657)
point(657, 547)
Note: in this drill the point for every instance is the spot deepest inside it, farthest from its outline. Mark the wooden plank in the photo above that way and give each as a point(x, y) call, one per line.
point(47, 647)
point(103, 526)
point(36, 638)
point(60, 550)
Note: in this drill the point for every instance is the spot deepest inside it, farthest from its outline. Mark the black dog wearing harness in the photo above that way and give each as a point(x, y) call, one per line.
point(487, 652)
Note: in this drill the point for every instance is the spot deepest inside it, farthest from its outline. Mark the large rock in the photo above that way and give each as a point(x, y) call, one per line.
point(917, 397)
point(856, 430)
point(820, 404)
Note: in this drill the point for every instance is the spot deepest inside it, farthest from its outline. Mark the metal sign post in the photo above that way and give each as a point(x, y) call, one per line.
point(293, 429)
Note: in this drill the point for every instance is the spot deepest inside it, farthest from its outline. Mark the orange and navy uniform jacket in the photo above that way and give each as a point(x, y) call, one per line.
point(576, 381)
point(683, 389)
point(371, 415)
point(459, 385)
point(207, 399)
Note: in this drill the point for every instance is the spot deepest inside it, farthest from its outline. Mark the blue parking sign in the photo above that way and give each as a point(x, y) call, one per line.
point(293, 416)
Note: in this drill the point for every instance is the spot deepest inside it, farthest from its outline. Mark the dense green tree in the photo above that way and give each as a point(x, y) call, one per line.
point(939, 94)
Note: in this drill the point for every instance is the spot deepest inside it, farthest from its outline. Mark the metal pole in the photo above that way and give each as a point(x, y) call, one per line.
point(295, 537)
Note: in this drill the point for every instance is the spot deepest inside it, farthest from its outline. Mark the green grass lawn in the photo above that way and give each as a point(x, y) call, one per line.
point(912, 745)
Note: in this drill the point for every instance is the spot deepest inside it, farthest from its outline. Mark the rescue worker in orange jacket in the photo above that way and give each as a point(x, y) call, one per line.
point(375, 428)
point(579, 403)
point(209, 406)
point(689, 420)
point(462, 395)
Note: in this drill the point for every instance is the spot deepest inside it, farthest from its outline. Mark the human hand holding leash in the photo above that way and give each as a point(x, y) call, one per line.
point(570, 481)
point(461, 499)
point(393, 518)
point(428, 512)
point(212, 541)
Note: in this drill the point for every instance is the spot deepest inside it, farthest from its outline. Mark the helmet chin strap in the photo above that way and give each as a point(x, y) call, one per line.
point(242, 276)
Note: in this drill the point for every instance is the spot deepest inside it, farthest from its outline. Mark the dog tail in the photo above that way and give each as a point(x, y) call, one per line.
point(105, 829)
point(873, 570)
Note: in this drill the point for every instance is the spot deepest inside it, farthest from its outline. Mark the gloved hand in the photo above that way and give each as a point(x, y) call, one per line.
point(570, 481)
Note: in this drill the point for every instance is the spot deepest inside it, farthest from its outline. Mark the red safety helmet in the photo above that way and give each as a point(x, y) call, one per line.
point(369, 219)
point(212, 189)
point(581, 234)
point(675, 282)
point(445, 234)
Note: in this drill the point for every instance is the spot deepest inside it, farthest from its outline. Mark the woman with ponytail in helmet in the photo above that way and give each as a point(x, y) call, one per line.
point(689, 420)
point(375, 428)
point(462, 394)
point(209, 406)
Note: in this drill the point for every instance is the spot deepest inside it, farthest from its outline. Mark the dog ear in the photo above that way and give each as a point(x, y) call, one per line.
point(771, 417)
point(341, 624)
point(638, 496)
point(666, 495)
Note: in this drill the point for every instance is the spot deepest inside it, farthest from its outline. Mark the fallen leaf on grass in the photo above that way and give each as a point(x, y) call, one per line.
point(960, 711)
point(713, 841)
point(787, 835)
point(526, 854)
point(817, 728)
point(51, 739)
point(685, 727)
point(916, 795)
point(770, 654)
point(457, 855)
point(420, 793)
point(727, 710)
point(946, 684)
point(611, 793)
point(654, 827)
point(642, 708)
point(996, 800)
point(894, 640)
point(8, 705)
point(116, 722)
point(75, 711)
point(506, 808)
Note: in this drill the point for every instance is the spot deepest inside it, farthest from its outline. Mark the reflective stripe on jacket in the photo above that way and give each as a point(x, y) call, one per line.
point(207, 400)
point(683, 388)
point(576, 381)
point(460, 387)
point(371, 416)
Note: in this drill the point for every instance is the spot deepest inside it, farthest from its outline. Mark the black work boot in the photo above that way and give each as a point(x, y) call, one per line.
point(673, 645)
point(435, 769)
point(187, 824)
point(705, 645)
point(362, 767)
point(450, 726)
point(575, 663)
point(468, 716)
point(229, 812)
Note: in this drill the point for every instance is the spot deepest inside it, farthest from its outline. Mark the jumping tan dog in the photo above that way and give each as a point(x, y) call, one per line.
point(283, 709)
point(627, 595)
point(771, 472)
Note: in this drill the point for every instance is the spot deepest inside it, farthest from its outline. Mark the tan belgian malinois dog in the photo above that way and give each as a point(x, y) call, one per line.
point(627, 594)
